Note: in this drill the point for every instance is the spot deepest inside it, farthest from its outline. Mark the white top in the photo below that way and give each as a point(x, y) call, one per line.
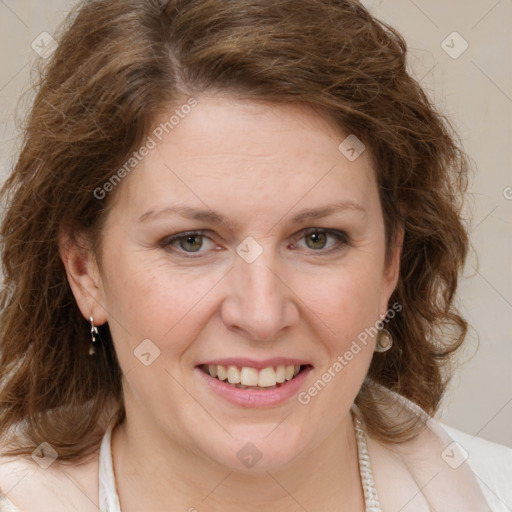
point(109, 500)
point(491, 464)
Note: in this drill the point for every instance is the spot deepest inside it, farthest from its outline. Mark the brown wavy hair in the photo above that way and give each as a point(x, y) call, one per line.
point(119, 64)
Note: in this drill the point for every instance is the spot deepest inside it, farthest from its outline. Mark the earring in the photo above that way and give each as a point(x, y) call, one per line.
point(384, 341)
point(94, 330)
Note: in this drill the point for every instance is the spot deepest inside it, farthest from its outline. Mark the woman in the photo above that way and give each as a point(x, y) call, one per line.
point(231, 246)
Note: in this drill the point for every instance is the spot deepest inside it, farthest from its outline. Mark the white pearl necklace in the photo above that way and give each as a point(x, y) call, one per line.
point(371, 499)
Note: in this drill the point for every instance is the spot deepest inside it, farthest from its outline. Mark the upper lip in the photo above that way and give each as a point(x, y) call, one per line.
point(253, 363)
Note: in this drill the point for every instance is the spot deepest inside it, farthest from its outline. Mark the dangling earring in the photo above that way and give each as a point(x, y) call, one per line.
point(94, 330)
point(384, 341)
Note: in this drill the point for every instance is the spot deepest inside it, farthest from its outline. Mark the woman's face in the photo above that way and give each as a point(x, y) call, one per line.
point(292, 275)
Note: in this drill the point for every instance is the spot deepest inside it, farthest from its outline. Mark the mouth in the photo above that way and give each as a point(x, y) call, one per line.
point(247, 377)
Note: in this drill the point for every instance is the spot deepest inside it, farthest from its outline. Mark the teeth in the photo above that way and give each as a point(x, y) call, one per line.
point(246, 376)
point(281, 374)
point(267, 377)
point(222, 373)
point(249, 376)
point(233, 375)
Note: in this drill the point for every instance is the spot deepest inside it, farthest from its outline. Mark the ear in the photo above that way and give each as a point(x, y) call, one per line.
point(392, 268)
point(83, 276)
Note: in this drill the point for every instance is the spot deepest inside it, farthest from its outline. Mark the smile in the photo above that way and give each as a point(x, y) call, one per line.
point(248, 383)
point(247, 377)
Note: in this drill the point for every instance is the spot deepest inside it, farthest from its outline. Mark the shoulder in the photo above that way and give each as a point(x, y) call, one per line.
point(12, 471)
point(491, 464)
point(6, 505)
point(26, 485)
point(444, 469)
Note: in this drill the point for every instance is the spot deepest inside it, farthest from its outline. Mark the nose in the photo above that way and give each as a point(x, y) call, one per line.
point(259, 302)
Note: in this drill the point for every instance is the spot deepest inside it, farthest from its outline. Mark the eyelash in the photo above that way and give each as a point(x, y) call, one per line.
point(341, 237)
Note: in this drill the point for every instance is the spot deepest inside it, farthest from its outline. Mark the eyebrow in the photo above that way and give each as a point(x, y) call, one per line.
point(213, 217)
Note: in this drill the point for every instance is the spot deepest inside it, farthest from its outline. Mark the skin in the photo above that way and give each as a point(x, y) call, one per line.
point(258, 165)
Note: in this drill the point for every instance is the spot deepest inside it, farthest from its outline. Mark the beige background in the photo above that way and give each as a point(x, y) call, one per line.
point(475, 91)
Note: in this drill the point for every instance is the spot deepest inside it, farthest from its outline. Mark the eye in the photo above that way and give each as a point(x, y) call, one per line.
point(191, 242)
point(317, 240)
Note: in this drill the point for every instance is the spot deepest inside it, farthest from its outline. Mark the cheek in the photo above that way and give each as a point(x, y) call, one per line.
point(148, 299)
point(347, 298)
point(349, 307)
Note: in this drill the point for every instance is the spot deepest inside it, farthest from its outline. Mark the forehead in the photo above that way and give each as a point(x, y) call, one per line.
point(247, 128)
point(226, 152)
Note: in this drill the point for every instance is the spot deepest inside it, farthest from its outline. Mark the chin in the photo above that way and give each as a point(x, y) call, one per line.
point(257, 449)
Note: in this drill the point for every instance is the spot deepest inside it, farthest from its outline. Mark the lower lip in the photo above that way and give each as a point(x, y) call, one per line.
point(255, 397)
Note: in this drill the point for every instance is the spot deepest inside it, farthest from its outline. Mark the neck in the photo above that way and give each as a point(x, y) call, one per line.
point(155, 473)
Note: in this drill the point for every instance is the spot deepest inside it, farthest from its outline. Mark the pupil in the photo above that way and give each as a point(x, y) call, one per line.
point(192, 240)
point(318, 238)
